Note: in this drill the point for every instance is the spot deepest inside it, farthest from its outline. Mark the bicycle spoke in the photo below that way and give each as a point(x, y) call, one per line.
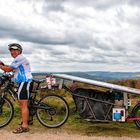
point(56, 112)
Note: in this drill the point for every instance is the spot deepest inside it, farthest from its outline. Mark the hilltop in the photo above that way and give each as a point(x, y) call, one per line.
point(99, 75)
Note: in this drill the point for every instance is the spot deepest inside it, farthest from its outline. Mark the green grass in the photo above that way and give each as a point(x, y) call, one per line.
point(79, 126)
point(76, 125)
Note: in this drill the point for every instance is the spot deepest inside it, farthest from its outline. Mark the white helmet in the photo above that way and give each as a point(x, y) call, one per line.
point(15, 46)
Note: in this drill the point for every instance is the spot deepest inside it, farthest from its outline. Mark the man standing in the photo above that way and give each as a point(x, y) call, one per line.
point(22, 74)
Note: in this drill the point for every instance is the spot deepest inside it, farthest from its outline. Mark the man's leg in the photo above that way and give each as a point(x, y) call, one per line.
point(24, 112)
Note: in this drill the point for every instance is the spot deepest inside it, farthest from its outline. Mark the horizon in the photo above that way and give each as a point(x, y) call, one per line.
point(96, 75)
point(85, 71)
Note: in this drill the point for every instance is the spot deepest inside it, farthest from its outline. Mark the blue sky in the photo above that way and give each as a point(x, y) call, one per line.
point(73, 35)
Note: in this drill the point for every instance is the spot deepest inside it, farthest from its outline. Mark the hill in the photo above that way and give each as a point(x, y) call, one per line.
point(106, 75)
point(97, 75)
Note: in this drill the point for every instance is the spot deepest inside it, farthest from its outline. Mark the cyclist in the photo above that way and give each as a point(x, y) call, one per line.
point(22, 74)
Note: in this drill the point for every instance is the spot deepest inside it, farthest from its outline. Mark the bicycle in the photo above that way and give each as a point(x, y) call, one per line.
point(51, 110)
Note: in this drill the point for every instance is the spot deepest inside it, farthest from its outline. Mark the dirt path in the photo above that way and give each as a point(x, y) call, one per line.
point(8, 135)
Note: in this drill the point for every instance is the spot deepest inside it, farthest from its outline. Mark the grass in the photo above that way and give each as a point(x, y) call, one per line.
point(77, 125)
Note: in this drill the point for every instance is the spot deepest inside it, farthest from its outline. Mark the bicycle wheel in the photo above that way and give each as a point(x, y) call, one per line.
point(6, 111)
point(53, 111)
point(136, 113)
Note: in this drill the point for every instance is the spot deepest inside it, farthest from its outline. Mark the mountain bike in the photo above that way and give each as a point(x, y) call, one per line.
point(51, 110)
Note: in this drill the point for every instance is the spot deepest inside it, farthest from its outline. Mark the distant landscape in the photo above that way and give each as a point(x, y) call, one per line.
point(96, 75)
point(100, 75)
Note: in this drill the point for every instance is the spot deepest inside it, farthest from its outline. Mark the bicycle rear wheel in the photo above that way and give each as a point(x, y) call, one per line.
point(6, 111)
point(53, 111)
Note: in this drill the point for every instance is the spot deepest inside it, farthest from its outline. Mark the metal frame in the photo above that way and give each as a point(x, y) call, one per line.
point(110, 86)
point(87, 99)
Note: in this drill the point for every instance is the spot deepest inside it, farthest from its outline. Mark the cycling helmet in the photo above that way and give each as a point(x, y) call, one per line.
point(15, 46)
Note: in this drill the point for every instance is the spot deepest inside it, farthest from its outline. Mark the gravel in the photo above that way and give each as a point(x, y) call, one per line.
point(8, 135)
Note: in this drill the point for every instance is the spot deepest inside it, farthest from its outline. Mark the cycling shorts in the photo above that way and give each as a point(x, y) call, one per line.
point(24, 90)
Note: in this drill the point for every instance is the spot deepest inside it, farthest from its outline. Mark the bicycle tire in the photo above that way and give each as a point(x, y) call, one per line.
point(136, 113)
point(6, 111)
point(56, 115)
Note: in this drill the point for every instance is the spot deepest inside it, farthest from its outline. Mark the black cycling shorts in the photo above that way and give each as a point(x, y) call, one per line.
point(24, 90)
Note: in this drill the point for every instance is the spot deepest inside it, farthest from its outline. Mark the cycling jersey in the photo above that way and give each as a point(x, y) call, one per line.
point(22, 70)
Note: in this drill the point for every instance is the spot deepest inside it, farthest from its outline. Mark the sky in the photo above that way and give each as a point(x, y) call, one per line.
point(73, 35)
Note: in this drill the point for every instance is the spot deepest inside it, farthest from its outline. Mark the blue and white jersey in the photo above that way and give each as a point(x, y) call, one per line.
point(22, 70)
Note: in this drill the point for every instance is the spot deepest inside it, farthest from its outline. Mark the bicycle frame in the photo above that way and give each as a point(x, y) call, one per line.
point(36, 106)
point(8, 87)
point(9, 90)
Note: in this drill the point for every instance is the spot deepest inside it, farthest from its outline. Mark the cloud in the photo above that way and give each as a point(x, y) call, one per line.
point(65, 35)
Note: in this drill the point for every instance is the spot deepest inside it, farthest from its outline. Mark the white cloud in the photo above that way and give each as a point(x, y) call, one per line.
point(69, 35)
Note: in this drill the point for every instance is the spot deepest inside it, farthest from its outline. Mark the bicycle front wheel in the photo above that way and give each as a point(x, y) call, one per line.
point(53, 111)
point(6, 111)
